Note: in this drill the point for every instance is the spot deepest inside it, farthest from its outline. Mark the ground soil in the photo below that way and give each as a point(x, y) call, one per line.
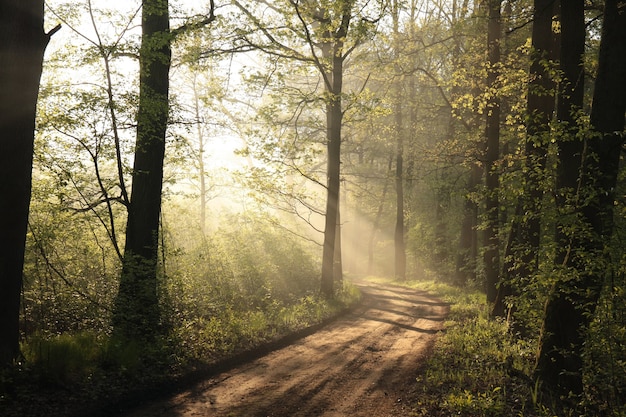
point(363, 364)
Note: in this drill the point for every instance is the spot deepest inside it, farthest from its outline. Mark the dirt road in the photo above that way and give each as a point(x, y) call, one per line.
point(360, 365)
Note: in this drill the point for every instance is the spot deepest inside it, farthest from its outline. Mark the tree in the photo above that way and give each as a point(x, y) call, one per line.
point(334, 56)
point(573, 298)
point(522, 249)
point(400, 251)
point(492, 152)
point(22, 45)
point(570, 102)
point(321, 34)
point(136, 314)
point(136, 309)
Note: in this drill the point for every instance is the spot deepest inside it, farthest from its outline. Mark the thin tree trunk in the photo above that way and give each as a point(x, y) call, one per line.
point(492, 153)
point(522, 251)
point(334, 117)
point(201, 168)
point(466, 255)
point(136, 313)
point(337, 259)
point(375, 226)
point(22, 45)
point(400, 249)
point(399, 244)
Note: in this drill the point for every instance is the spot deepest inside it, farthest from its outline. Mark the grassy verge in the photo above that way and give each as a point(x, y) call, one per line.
point(476, 368)
point(232, 331)
point(63, 374)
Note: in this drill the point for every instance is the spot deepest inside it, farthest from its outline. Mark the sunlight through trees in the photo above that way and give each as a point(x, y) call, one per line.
point(183, 180)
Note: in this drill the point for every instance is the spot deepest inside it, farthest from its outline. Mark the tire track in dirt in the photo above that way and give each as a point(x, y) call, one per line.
point(363, 364)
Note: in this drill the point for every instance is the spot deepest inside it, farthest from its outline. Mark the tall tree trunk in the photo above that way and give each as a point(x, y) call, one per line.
point(376, 225)
point(492, 153)
point(467, 253)
point(137, 305)
point(465, 270)
point(337, 258)
point(399, 244)
point(570, 146)
point(334, 116)
point(573, 299)
point(333, 53)
point(22, 45)
point(522, 251)
point(200, 157)
point(332, 197)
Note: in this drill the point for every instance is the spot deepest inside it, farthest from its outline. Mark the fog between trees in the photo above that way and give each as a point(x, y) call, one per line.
point(476, 143)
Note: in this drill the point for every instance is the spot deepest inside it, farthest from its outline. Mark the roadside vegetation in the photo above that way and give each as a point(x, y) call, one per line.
point(181, 180)
point(223, 298)
point(482, 367)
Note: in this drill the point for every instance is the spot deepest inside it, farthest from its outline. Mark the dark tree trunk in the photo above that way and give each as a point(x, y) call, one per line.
point(376, 225)
point(137, 305)
point(522, 251)
point(333, 53)
point(22, 45)
point(334, 116)
point(492, 153)
point(337, 258)
point(468, 245)
point(399, 245)
point(570, 146)
point(572, 300)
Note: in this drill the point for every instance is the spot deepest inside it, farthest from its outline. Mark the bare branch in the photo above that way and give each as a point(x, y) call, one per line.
point(194, 25)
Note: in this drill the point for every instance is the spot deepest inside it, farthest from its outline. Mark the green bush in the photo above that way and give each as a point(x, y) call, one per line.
point(65, 357)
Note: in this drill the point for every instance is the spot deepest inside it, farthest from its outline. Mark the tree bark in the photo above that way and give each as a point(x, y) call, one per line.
point(337, 258)
point(522, 251)
point(22, 45)
point(571, 93)
point(136, 313)
point(492, 153)
point(376, 225)
point(200, 157)
point(465, 270)
point(573, 299)
point(333, 53)
point(399, 244)
point(334, 116)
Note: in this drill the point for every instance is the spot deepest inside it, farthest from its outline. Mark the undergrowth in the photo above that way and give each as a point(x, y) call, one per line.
point(477, 368)
point(231, 330)
point(61, 373)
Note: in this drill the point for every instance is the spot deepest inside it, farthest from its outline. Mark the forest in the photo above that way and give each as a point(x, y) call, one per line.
point(183, 181)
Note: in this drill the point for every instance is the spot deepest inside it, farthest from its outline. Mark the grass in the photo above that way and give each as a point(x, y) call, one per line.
point(476, 367)
point(232, 331)
point(93, 366)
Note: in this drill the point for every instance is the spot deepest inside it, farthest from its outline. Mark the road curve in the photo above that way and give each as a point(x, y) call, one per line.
point(363, 364)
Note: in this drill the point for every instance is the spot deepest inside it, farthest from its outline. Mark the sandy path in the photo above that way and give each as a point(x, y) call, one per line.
point(360, 365)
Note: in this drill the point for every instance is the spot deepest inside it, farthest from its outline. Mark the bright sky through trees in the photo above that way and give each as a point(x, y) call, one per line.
point(475, 143)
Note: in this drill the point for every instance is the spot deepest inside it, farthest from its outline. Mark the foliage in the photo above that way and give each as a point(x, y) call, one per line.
point(477, 367)
point(247, 286)
point(232, 281)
